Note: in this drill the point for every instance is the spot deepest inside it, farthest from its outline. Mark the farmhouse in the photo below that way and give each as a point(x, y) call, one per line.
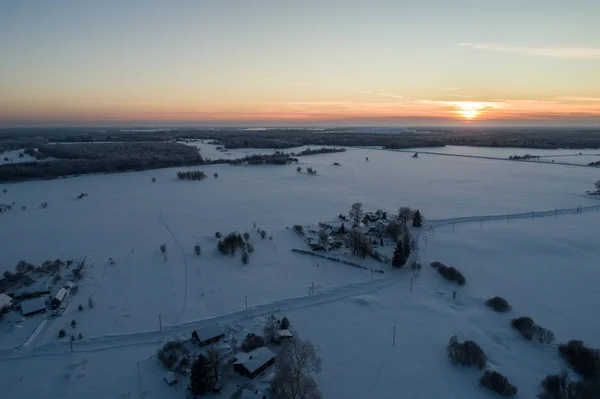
point(282, 335)
point(33, 291)
point(253, 363)
point(209, 334)
point(33, 306)
point(5, 301)
point(59, 297)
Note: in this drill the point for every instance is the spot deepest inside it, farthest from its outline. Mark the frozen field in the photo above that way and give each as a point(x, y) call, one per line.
point(546, 268)
point(500, 152)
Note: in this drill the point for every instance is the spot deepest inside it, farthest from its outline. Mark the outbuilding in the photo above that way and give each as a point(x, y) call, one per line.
point(33, 306)
point(5, 301)
point(253, 363)
point(59, 298)
point(281, 336)
point(209, 334)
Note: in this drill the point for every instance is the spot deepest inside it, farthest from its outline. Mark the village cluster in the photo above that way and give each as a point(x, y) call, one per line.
point(273, 360)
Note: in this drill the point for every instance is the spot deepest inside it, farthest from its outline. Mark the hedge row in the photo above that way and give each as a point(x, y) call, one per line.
point(337, 260)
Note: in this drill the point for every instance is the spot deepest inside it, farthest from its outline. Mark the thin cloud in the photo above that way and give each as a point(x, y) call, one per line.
point(552, 52)
point(582, 99)
point(379, 94)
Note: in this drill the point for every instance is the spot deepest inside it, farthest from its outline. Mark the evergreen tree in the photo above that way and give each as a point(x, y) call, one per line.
point(418, 219)
point(342, 229)
point(202, 380)
point(399, 258)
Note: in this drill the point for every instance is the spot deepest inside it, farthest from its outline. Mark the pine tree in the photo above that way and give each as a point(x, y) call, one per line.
point(418, 219)
point(399, 258)
point(202, 380)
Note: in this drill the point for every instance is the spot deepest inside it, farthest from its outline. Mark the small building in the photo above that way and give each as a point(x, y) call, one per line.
point(281, 336)
point(253, 363)
point(249, 394)
point(209, 334)
point(59, 298)
point(5, 301)
point(33, 306)
point(171, 378)
point(70, 285)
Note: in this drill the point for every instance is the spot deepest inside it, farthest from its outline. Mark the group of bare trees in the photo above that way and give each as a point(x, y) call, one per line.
point(296, 364)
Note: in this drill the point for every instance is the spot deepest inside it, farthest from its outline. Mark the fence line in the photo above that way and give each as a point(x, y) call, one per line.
point(525, 215)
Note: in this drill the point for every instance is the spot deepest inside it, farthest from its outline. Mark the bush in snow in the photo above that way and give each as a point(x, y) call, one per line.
point(298, 169)
point(44, 205)
point(251, 342)
point(154, 180)
point(215, 175)
point(584, 360)
point(249, 247)
point(497, 303)
point(197, 249)
point(467, 353)
point(191, 175)
point(245, 258)
point(173, 355)
point(80, 308)
point(73, 323)
point(61, 333)
point(529, 330)
point(559, 387)
point(163, 248)
point(263, 234)
point(498, 383)
point(285, 323)
point(246, 236)
point(450, 273)
point(218, 235)
point(435, 264)
point(298, 229)
point(90, 303)
point(230, 244)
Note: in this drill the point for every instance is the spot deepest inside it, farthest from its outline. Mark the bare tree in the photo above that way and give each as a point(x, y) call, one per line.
point(597, 185)
point(214, 360)
point(271, 326)
point(359, 243)
point(403, 215)
point(356, 213)
point(296, 363)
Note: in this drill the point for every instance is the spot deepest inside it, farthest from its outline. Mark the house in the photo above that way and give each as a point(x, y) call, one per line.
point(5, 301)
point(58, 298)
point(33, 306)
point(209, 334)
point(248, 394)
point(253, 363)
point(281, 336)
point(33, 291)
point(171, 378)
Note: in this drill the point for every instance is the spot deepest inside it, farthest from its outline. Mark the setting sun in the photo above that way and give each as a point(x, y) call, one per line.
point(470, 111)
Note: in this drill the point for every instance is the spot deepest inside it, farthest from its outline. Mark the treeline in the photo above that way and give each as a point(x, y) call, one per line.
point(76, 159)
point(191, 175)
point(597, 163)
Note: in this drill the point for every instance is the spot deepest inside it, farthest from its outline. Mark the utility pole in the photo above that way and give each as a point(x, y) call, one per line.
point(246, 302)
point(159, 322)
point(394, 337)
point(71, 343)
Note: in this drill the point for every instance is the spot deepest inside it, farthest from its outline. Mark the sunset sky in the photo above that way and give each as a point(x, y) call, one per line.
point(302, 62)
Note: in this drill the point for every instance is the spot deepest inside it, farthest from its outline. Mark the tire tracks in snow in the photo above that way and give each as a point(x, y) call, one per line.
point(95, 344)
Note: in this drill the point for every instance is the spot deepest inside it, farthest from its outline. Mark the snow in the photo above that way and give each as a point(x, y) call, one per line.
point(546, 268)
point(210, 332)
point(12, 156)
point(5, 301)
point(32, 306)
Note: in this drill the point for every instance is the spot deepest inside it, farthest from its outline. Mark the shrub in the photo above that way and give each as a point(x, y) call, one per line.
point(90, 303)
point(558, 387)
point(585, 361)
point(524, 325)
point(298, 229)
point(80, 336)
point(450, 273)
point(246, 236)
point(230, 244)
point(154, 180)
point(252, 341)
point(172, 354)
point(435, 264)
point(191, 175)
point(498, 383)
point(61, 333)
point(499, 304)
point(249, 247)
point(263, 234)
point(197, 249)
point(218, 235)
point(215, 175)
point(80, 308)
point(467, 353)
point(245, 258)
point(285, 323)
point(73, 323)
point(163, 248)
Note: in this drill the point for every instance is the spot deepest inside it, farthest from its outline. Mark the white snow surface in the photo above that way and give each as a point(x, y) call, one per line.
point(546, 268)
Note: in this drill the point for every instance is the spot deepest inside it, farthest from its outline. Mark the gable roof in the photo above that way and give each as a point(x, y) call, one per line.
point(61, 294)
point(253, 360)
point(209, 332)
point(32, 306)
point(5, 301)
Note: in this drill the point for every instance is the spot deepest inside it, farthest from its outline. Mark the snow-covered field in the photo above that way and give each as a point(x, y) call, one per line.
point(544, 267)
point(14, 156)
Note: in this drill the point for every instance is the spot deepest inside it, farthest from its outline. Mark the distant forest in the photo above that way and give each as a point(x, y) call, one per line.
point(77, 151)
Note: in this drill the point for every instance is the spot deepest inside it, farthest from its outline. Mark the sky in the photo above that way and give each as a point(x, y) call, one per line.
point(309, 62)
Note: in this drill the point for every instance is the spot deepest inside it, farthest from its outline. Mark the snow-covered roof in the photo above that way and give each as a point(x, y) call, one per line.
point(61, 294)
point(283, 334)
point(248, 394)
point(5, 301)
point(36, 287)
point(170, 378)
point(32, 306)
point(210, 331)
point(253, 360)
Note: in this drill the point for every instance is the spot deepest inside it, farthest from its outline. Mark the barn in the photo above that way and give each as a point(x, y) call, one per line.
point(33, 306)
point(253, 363)
point(209, 334)
point(5, 301)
